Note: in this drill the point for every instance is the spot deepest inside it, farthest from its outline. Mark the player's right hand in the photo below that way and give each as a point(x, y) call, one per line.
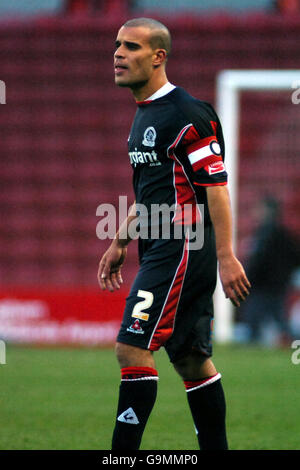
point(235, 283)
point(109, 272)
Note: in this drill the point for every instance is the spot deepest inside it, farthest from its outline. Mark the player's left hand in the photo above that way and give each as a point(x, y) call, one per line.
point(235, 283)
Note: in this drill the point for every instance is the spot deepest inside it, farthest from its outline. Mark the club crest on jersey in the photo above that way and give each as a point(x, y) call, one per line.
point(149, 137)
point(136, 328)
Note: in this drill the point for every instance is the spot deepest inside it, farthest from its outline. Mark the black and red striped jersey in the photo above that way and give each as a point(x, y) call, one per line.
point(176, 149)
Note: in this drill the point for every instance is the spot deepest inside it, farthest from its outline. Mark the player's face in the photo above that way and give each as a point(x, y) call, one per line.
point(133, 58)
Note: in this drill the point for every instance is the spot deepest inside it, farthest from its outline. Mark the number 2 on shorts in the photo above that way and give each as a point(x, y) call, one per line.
point(137, 311)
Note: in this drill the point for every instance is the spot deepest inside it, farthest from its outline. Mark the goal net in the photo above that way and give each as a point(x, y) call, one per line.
point(260, 114)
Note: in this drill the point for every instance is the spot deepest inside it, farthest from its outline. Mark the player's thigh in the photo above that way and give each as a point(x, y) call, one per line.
point(194, 366)
point(133, 356)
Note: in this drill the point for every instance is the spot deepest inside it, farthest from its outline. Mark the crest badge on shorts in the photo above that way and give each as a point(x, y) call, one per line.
point(136, 328)
point(149, 137)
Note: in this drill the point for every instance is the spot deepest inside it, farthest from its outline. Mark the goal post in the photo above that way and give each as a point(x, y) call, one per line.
point(229, 85)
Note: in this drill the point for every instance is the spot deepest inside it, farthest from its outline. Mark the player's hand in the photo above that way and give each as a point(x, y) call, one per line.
point(109, 272)
point(235, 283)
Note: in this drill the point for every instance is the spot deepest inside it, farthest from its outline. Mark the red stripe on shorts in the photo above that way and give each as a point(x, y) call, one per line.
point(165, 325)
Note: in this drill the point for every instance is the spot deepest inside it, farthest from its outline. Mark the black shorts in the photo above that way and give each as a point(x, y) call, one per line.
point(170, 302)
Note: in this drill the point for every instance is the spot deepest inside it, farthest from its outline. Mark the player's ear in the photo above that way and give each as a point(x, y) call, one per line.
point(159, 57)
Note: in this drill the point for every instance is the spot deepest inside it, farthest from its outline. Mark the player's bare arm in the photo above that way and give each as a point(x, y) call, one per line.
point(233, 277)
point(109, 272)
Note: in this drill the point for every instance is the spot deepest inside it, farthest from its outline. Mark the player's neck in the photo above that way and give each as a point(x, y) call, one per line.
point(148, 89)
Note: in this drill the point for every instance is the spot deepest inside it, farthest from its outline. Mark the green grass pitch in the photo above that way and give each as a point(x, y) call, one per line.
point(66, 399)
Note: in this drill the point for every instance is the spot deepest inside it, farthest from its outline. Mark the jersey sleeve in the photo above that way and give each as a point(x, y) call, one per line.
point(204, 147)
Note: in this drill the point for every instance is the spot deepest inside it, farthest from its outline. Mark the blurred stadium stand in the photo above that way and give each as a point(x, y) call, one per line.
point(41, 7)
point(65, 125)
point(205, 5)
point(29, 7)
